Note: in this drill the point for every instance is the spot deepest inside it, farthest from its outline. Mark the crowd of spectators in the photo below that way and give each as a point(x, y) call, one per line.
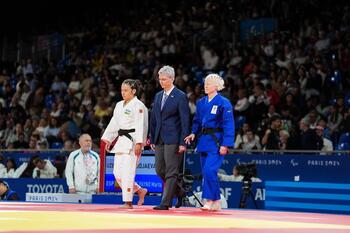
point(290, 87)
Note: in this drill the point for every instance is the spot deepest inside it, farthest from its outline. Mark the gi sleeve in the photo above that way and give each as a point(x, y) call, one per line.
point(228, 125)
point(196, 124)
point(141, 123)
point(111, 131)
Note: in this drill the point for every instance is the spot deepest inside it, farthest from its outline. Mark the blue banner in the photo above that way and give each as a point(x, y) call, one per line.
point(27, 185)
point(291, 167)
point(146, 175)
point(24, 156)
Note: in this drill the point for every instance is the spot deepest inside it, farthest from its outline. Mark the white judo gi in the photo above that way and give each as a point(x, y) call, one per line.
point(134, 115)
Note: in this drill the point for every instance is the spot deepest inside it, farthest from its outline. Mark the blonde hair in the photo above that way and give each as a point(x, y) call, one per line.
point(219, 82)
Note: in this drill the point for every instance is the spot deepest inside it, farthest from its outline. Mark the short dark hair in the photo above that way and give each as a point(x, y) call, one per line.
point(275, 117)
point(37, 160)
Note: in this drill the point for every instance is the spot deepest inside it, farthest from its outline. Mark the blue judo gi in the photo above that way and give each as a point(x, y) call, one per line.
point(213, 125)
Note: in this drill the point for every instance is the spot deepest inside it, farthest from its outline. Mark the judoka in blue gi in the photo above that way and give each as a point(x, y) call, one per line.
point(213, 125)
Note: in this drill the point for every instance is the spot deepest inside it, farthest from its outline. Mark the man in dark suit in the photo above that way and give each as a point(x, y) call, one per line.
point(169, 126)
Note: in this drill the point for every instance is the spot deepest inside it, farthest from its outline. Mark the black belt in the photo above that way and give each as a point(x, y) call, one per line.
point(125, 132)
point(211, 132)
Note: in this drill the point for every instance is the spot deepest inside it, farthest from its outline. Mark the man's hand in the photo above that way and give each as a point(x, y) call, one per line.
point(182, 149)
point(153, 147)
point(72, 191)
point(138, 148)
point(223, 150)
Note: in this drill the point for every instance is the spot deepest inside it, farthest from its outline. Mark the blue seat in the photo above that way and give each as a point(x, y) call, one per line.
point(56, 145)
point(347, 99)
point(344, 138)
point(343, 146)
point(239, 121)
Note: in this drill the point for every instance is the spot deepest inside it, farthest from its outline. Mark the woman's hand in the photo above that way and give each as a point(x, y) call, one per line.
point(223, 150)
point(138, 149)
point(189, 138)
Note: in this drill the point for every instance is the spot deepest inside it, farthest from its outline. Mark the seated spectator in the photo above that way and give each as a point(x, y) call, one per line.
point(68, 146)
point(271, 140)
point(345, 125)
point(241, 136)
point(252, 143)
point(285, 143)
point(43, 144)
point(60, 164)
point(20, 143)
point(25, 170)
point(2, 167)
point(309, 139)
point(10, 168)
point(242, 104)
point(51, 131)
point(44, 169)
point(334, 120)
point(6, 193)
point(327, 144)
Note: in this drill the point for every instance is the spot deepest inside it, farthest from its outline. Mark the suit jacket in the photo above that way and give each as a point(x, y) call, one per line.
point(172, 122)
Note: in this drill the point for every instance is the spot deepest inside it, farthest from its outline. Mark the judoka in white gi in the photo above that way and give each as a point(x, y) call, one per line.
point(130, 124)
point(213, 125)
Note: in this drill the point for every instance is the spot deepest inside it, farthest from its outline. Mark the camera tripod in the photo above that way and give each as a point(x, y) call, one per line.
point(246, 192)
point(186, 187)
point(185, 182)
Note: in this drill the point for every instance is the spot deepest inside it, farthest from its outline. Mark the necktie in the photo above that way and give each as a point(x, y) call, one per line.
point(165, 96)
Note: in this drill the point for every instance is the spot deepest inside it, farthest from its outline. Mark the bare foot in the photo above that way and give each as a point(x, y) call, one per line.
point(126, 206)
point(142, 193)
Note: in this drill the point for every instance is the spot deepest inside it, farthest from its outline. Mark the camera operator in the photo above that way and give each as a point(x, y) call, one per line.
point(235, 177)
